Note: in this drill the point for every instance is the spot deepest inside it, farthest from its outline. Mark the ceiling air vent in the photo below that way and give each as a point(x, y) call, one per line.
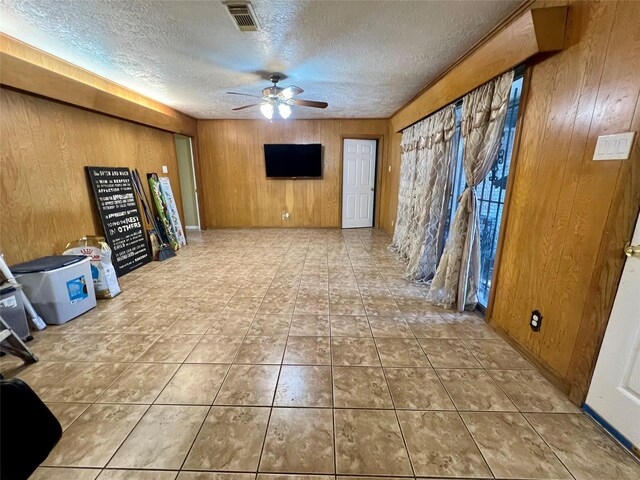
point(243, 16)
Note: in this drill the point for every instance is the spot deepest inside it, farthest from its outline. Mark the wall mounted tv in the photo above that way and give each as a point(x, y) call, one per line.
point(293, 160)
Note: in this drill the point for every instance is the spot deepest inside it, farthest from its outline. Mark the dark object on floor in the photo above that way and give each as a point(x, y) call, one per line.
point(28, 430)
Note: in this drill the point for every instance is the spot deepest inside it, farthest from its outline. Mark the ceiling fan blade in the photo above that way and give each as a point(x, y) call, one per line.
point(309, 103)
point(290, 91)
point(243, 94)
point(246, 106)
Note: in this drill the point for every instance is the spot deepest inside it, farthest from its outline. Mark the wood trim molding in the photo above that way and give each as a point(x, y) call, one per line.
point(534, 31)
point(526, 84)
point(32, 71)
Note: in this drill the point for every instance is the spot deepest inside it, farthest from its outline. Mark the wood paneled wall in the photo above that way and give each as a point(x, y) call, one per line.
point(238, 194)
point(562, 201)
point(44, 191)
point(568, 216)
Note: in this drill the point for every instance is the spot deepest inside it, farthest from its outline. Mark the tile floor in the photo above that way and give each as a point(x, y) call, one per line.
point(286, 353)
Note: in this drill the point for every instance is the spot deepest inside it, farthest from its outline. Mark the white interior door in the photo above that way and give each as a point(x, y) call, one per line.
point(614, 393)
point(358, 182)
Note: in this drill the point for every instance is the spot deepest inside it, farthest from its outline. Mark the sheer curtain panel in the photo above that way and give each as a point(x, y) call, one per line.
point(483, 114)
point(424, 176)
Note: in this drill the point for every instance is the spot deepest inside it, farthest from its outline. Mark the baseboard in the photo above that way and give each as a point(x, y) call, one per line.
point(191, 227)
point(559, 382)
point(621, 439)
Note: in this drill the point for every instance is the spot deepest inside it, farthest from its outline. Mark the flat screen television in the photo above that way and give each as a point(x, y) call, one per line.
point(293, 160)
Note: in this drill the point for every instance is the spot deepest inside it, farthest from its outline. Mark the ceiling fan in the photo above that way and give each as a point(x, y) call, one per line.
point(280, 99)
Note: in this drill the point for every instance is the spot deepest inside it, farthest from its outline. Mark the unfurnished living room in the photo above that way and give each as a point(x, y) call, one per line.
point(319, 239)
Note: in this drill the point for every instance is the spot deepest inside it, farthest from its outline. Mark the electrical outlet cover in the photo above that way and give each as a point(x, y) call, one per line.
point(535, 322)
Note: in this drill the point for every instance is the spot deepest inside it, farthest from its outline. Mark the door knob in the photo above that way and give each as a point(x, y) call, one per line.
point(372, 189)
point(632, 250)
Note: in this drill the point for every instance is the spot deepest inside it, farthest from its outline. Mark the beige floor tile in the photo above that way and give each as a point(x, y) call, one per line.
point(306, 293)
point(348, 351)
point(55, 473)
point(66, 413)
point(369, 442)
point(531, 392)
point(249, 385)
point(350, 326)
point(401, 352)
point(470, 330)
point(94, 437)
point(308, 351)
point(194, 384)
point(215, 476)
point(310, 326)
point(137, 475)
point(232, 325)
point(390, 327)
point(496, 354)
point(125, 347)
point(215, 349)
point(299, 440)
point(346, 305)
point(231, 439)
point(191, 325)
point(273, 476)
point(153, 323)
point(417, 389)
point(86, 383)
point(474, 389)
point(304, 386)
point(448, 353)
point(170, 348)
point(431, 327)
point(440, 445)
point(360, 387)
point(43, 375)
point(270, 325)
point(162, 438)
point(511, 447)
point(261, 350)
point(585, 450)
point(140, 383)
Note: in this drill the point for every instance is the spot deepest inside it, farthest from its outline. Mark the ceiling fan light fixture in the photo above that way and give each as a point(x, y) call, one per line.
point(284, 110)
point(267, 110)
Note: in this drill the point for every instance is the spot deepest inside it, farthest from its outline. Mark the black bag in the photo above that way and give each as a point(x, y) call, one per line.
point(28, 430)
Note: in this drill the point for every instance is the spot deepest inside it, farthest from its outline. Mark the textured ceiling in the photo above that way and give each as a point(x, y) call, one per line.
point(365, 58)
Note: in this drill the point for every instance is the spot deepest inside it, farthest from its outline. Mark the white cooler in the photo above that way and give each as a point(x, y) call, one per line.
point(59, 287)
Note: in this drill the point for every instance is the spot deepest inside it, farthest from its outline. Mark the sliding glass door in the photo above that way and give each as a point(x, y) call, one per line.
point(490, 193)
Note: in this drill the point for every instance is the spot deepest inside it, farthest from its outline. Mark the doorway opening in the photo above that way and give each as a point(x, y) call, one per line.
point(188, 187)
point(359, 167)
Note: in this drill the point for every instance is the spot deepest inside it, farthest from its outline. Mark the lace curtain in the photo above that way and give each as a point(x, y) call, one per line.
point(483, 115)
point(424, 175)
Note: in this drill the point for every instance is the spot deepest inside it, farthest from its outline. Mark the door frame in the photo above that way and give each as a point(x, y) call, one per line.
point(196, 178)
point(378, 173)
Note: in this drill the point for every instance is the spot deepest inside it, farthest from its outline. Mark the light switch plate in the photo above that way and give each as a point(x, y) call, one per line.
point(165, 169)
point(614, 147)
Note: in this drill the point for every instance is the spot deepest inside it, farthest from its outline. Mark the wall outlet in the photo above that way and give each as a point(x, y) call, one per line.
point(286, 216)
point(165, 169)
point(535, 322)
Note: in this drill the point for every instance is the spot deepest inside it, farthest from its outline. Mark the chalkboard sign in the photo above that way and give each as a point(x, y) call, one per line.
point(121, 221)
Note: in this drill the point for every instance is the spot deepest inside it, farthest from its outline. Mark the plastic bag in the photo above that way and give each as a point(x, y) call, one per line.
point(104, 276)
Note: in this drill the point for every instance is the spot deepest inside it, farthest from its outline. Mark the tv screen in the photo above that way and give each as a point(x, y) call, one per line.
point(293, 161)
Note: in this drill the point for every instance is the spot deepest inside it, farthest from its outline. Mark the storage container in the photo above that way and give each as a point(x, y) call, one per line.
point(12, 309)
point(59, 287)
